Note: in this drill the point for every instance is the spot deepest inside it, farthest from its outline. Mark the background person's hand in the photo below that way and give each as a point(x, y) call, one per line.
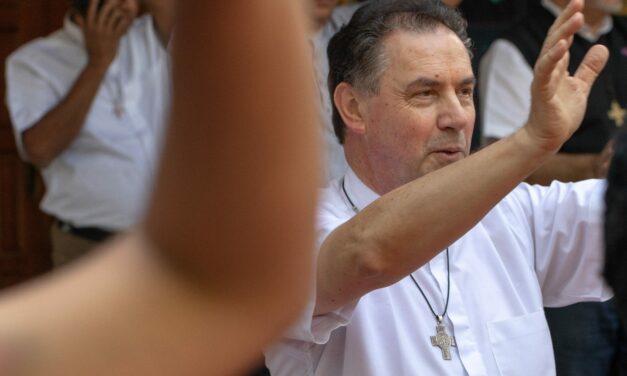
point(103, 28)
point(559, 99)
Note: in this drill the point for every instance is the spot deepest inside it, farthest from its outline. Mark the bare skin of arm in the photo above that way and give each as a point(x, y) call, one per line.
point(383, 243)
point(222, 262)
point(56, 130)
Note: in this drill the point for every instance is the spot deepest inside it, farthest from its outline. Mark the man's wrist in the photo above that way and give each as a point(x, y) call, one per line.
point(97, 67)
point(536, 149)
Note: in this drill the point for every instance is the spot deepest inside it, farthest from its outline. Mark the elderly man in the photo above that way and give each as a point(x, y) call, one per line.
point(414, 276)
point(88, 105)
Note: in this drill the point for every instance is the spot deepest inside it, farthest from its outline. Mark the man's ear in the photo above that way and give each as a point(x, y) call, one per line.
point(347, 101)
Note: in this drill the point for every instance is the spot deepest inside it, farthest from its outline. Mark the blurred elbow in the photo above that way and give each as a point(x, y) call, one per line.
point(35, 152)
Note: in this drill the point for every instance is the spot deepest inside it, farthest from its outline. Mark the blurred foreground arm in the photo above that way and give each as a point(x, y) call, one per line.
point(222, 261)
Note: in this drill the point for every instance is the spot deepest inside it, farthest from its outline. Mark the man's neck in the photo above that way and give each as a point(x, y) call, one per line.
point(366, 169)
point(594, 18)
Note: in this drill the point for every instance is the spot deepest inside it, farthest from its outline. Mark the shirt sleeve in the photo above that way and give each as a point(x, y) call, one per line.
point(29, 97)
point(312, 328)
point(504, 89)
point(566, 222)
point(144, 36)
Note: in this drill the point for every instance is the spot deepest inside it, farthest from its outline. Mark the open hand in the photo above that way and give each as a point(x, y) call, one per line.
point(558, 99)
point(102, 29)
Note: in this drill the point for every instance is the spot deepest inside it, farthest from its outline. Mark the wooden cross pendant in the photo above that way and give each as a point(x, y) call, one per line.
point(443, 340)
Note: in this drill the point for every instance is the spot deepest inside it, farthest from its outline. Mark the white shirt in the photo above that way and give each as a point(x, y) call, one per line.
point(335, 162)
point(505, 79)
point(540, 246)
point(103, 178)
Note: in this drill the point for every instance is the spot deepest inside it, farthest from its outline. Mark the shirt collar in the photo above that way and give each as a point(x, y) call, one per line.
point(585, 31)
point(358, 191)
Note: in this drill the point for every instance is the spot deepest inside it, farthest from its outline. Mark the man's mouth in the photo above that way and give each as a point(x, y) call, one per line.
point(450, 153)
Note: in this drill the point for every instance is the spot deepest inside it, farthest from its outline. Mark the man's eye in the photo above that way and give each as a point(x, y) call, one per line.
point(425, 93)
point(468, 92)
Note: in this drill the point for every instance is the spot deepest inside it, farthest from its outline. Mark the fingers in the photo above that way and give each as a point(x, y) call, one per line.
point(92, 11)
point(549, 68)
point(111, 19)
point(565, 26)
point(592, 64)
point(573, 7)
point(114, 19)
point(122, 25)
point(106, 12)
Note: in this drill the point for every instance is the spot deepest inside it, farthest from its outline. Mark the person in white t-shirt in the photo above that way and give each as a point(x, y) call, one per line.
point(88, 104)
point(414, 277)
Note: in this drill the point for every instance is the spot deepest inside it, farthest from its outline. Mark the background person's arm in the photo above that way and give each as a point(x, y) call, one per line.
point(58, 128)
point(223, 260)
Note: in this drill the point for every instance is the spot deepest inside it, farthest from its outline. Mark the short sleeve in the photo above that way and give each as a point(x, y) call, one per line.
point(317, 329)
point(566, 220)
point(29, 97)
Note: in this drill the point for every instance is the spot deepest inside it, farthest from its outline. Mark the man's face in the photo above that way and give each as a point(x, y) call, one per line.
point(423, 116)
point(609, 6)
point(322, 10)
point(128, 8)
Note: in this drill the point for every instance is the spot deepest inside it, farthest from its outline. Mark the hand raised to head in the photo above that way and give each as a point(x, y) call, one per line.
point(102, 29)
point(559, 99)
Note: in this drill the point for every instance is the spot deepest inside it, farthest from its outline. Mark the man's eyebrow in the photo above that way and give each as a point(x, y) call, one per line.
point(423, 81)
point(430, 82)
point(472, 80)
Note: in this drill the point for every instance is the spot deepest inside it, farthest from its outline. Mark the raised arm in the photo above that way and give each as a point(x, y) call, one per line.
point(405, 228)
point(222, 261)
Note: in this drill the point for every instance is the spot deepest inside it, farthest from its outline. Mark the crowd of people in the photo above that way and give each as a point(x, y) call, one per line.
point(183, 161)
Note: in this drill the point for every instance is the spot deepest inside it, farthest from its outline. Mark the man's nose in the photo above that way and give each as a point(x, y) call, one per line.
point(453, 113)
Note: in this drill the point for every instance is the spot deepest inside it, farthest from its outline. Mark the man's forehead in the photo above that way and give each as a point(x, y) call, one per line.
point(427, 49)
point(421, 41)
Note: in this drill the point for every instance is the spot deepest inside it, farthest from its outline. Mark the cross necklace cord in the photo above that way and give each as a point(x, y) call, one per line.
point(441, 338)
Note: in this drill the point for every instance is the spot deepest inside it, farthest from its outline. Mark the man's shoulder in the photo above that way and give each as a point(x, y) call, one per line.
point(41, 49)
